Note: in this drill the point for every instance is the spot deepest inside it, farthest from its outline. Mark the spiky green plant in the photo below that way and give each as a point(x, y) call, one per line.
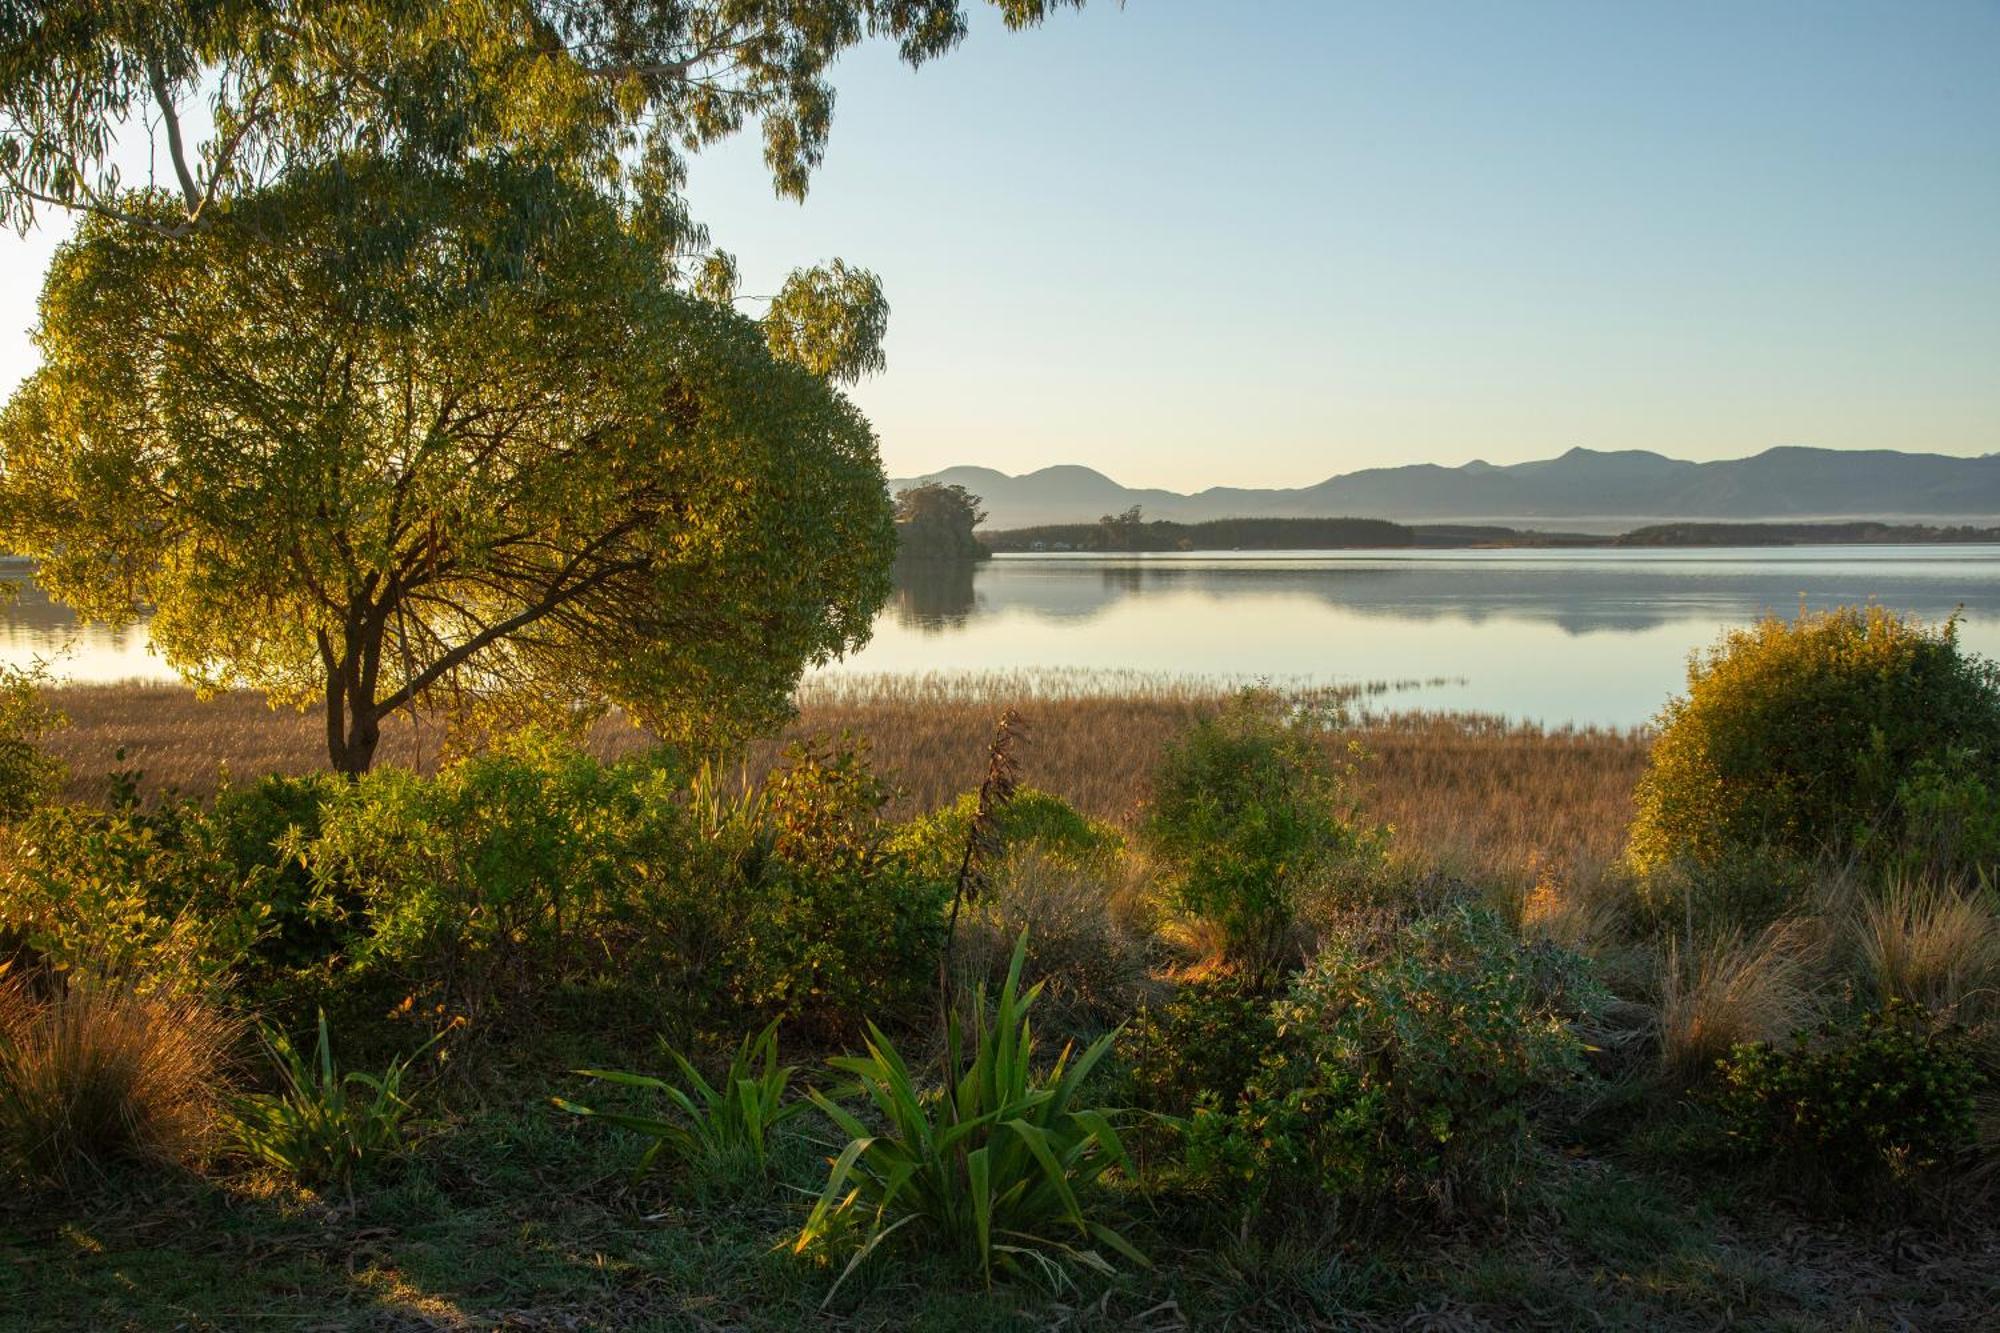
point(993, 1167)
point(723, 1129)
point(323, 1127)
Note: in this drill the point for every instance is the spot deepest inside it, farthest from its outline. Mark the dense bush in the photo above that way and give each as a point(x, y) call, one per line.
point(1032, 821)
point(1850, 731)
point(1405, 1067)
point(1891, 1092)
point(1248, 811)
point(830, 921)
point(503, 878)
point(128, 889)
point(1199, 1046)
point(28, 774)
point(506, 872)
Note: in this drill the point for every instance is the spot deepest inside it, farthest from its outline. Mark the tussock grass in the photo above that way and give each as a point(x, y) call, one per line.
point(102, 1071)
point(1734, 989)
point(1934, 945)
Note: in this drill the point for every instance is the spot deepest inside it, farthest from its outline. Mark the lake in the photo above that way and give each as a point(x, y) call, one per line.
point(1591, 637)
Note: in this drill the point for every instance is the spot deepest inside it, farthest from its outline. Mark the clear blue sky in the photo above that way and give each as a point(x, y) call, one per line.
point(1257, 242)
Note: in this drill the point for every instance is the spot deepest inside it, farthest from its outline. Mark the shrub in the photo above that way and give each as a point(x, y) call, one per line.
point(1248, 810)
point(993, 1168)
point(127, 890)
point(1086, 957)
point(1031, 821)
point(1405, 1068)
point(323, 1126)
point(102, 1070)
point(720, 1131)
point(29, 775)
point(1804, 738)
point(505, 873)
point(257, 831)
point(1892, 1092)
point(830, 922)
point(1201, 1045)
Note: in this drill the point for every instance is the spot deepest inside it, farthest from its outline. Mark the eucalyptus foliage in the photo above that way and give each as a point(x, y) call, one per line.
point(399, 437)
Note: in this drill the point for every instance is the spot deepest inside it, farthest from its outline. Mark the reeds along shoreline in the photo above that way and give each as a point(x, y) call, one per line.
point(1474, 793)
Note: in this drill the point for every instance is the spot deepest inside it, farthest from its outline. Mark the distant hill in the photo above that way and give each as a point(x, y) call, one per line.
point(1585, 489)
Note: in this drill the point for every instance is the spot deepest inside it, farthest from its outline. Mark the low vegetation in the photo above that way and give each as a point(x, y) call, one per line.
point(1275, 1015)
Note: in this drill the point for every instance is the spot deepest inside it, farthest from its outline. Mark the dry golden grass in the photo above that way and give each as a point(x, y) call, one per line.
point(1734, 990)
point(1475, 794)
point(103, 1071)
point(1934, 945)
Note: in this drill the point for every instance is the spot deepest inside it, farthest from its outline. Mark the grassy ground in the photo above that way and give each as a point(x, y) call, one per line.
point(519, 1219)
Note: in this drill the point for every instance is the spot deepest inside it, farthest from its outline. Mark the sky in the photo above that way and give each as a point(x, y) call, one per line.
point(1260, 242)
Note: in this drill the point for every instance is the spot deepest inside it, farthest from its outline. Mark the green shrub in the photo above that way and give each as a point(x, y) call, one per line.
point(127, 890)
point(257, 830)
point(1849, 731)
point(993, 1169)
point(324, 1127)
point(29, 775)
point(1405, 1068)
point(1892, 1092)
point(507, 872)
point(830, 922)
point(1200, 1046)
point(1248, 811)
point(1031, 821)
point(721, 1131)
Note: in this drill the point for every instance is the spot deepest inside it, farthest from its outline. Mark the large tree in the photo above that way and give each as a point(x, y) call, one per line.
point(417, 378)
point(391, 437)
point(236, 93)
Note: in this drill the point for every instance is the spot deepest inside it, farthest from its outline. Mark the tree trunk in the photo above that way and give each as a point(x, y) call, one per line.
point(353, 722)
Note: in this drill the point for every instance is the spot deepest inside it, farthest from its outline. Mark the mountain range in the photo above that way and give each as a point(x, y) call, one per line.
point(1583, 490)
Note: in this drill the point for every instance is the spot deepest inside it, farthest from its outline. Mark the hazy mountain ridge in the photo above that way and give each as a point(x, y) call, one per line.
point(1790, 482)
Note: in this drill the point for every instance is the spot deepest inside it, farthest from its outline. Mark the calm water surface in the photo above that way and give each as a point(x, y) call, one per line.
point(1589, 637)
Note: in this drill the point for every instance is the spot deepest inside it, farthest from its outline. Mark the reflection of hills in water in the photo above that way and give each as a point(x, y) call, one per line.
point(1577, 597)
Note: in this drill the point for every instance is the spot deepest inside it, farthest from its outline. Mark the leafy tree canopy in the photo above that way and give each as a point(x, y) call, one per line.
point(235, 93)
point(398, 434)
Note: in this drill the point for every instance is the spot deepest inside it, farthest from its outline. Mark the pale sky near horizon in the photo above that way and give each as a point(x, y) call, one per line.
point(1193, 243)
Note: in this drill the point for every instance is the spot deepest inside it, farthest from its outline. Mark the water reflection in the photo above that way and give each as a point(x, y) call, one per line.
point(934, 595)
point(1596, 637)
point(1559, 636)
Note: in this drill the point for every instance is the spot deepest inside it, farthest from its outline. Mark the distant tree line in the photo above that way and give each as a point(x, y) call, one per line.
point(1130, 531)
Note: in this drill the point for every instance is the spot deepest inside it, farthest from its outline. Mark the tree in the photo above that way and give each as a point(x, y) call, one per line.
point(935, 522)
point(395, 436)
point(418, 380)
point(614, 93)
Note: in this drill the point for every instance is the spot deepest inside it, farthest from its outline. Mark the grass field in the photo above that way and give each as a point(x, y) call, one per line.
point(1476, 793)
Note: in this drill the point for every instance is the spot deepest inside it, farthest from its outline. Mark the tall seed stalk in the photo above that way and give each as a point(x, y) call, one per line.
point(982, 840)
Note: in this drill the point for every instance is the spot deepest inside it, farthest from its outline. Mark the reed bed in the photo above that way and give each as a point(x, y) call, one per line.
point(1477, 794)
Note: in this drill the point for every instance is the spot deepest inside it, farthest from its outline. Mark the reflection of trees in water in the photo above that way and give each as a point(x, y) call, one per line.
point(934, 595)
point(1575, 598)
